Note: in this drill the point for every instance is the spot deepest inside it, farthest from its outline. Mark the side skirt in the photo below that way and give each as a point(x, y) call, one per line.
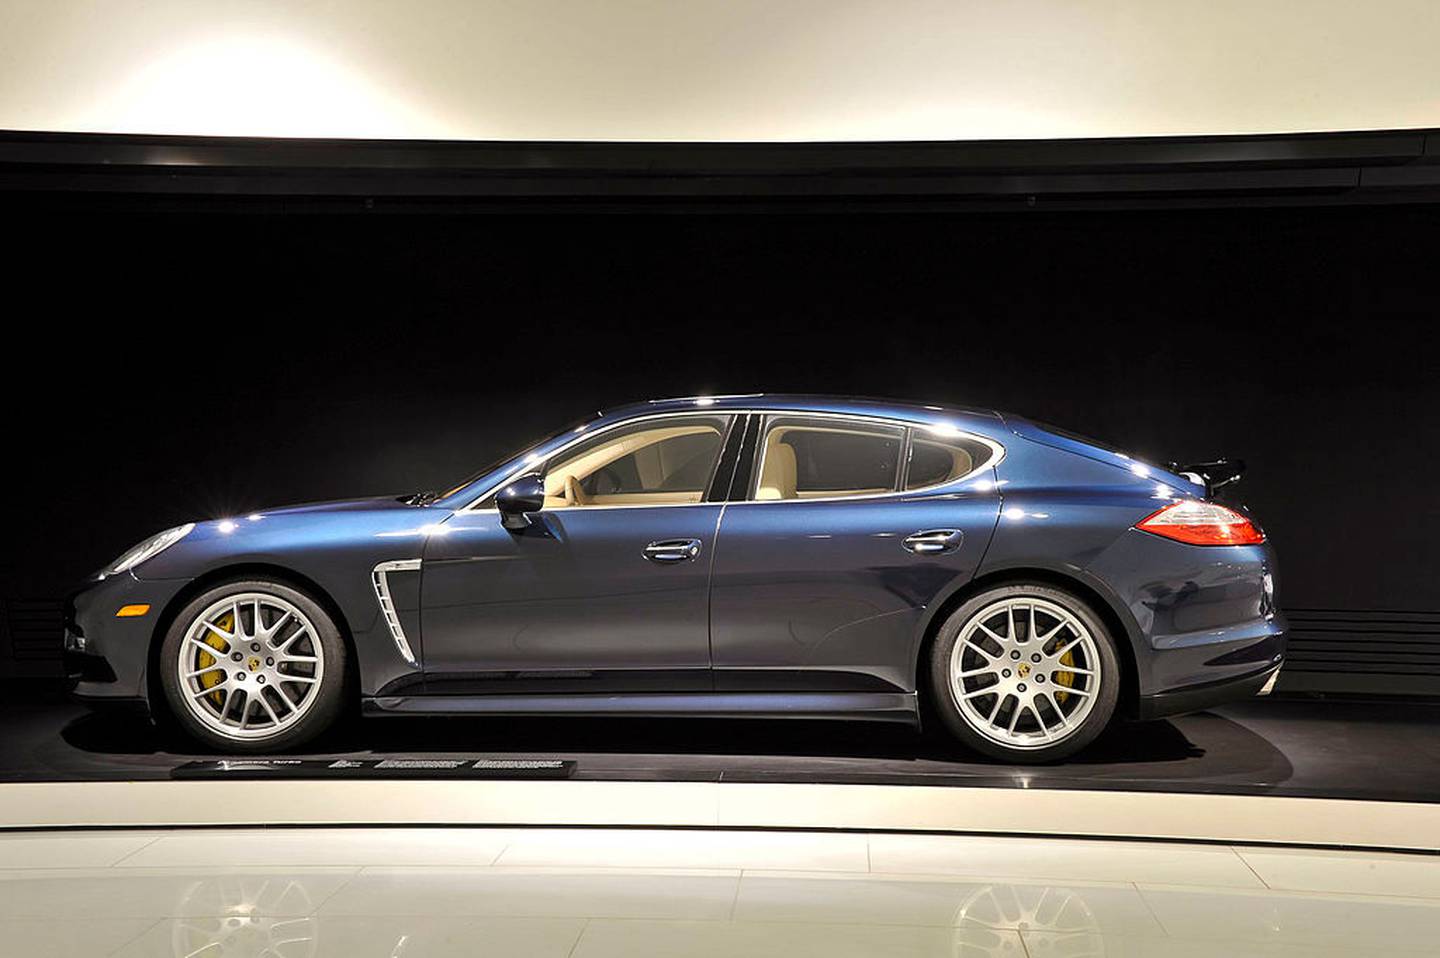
point(873, 706)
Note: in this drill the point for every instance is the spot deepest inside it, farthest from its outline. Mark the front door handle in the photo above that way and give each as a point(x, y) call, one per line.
point(934, 541)
point(672, 550)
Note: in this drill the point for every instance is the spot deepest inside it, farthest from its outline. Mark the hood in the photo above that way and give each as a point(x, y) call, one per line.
point(333, 505)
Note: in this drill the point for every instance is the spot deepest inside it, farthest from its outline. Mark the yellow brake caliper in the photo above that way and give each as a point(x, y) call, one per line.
point(203, 660)
point(1066, 679)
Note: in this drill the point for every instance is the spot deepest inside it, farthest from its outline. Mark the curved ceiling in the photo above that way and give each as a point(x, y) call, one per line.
point(717, 70)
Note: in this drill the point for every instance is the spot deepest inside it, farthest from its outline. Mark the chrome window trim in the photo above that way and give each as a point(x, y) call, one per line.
point(379, 578)
point(995, 460)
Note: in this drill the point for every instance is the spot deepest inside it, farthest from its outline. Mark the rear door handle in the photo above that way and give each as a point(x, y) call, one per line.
point(934, 541)
point(672, 550)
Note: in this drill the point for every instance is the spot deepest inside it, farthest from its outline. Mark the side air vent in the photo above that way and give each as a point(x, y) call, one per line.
point(380, 578)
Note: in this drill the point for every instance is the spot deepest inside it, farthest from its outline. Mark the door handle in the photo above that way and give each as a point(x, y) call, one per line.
point(934, 541)
point(672, 550)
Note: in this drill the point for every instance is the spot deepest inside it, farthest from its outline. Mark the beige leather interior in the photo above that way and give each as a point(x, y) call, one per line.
point(574, 495)
point(563, 480)
point(778, 473)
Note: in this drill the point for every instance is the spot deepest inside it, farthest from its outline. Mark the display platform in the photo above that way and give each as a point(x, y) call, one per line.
point(1285, 771)
point(1368, 750)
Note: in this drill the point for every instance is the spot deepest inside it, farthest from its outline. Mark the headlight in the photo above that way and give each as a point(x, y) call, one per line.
point(148, 549)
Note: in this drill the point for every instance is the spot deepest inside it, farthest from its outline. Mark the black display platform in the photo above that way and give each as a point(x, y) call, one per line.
point(1386, 751)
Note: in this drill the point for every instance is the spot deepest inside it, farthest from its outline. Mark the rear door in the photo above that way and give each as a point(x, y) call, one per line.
point(848, 530)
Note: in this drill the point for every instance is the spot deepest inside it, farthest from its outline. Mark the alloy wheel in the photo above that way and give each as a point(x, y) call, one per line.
point(250, 665)
point(1025, 672)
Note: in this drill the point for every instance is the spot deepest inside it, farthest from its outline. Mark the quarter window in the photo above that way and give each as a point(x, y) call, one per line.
point(935, 461)
point(818, 458)
point(657, 462)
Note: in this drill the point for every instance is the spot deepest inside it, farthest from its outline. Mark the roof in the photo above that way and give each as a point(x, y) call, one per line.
point(798, 402)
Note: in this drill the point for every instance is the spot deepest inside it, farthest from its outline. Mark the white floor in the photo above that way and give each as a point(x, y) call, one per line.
point(299, 893)
point(1100, 814)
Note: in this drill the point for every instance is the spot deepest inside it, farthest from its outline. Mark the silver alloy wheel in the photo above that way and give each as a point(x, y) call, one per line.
point(250, 665)
point(1025, 672)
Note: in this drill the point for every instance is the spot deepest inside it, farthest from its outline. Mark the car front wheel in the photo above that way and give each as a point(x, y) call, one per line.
point(253, 666)
point(1025, 673)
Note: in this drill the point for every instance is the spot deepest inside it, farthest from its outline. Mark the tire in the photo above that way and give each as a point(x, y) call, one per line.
point(1040, 711)
point(235, 698)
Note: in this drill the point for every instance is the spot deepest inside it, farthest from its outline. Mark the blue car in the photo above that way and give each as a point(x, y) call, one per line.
point(740, 556)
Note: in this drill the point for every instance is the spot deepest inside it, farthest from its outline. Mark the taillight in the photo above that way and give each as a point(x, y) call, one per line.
point(1202, 524)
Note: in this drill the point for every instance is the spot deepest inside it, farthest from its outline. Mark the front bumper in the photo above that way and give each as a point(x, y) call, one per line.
point(105, 655)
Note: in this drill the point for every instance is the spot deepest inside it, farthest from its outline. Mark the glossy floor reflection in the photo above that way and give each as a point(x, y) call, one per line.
point(299, 893)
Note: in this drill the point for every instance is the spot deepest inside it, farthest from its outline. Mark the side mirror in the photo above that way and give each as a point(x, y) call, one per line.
point(515, 499)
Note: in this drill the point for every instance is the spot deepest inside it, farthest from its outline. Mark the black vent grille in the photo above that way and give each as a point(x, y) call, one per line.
point(35, 628)
point(1351, 650)
point(31, 638)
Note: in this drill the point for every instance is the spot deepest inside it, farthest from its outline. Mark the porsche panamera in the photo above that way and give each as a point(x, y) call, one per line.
point(745, 556)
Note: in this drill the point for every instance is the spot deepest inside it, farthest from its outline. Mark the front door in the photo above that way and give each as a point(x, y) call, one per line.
point(606, 590)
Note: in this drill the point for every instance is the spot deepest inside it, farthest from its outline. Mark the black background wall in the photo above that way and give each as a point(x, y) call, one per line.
point(165, 366)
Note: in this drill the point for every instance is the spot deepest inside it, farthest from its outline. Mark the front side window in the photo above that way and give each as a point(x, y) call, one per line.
point(656, 462)
point(935, 461)
point(820, 458)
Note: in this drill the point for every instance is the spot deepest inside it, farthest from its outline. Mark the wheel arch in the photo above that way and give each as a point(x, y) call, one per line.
point(245, 570)
point(1099, 603)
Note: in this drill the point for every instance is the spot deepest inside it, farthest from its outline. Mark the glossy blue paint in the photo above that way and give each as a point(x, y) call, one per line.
point(787, 607)
point(572, 591)
point(808, 594)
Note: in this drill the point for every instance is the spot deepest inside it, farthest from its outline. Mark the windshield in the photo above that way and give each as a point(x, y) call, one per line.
point(497, 463)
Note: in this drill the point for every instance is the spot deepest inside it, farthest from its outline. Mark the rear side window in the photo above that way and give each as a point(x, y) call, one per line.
point(819, 458)
point(935, 460)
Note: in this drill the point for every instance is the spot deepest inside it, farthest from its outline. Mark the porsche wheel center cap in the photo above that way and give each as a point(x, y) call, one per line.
point(1023, 669)
point(253, 664)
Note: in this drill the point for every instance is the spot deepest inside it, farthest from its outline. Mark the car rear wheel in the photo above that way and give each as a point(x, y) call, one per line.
point(1025, 673)
point(253, 666)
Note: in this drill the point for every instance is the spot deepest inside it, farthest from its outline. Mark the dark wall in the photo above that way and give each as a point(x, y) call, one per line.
point(163, 367)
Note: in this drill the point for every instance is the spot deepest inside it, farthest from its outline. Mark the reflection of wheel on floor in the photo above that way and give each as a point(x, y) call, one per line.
point(1025, 672)
point(245, 928)
point(253, 666)
point(1060, 923)
point(972, 940)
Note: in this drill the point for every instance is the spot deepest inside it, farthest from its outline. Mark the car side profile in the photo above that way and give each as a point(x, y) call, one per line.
point(762, 556)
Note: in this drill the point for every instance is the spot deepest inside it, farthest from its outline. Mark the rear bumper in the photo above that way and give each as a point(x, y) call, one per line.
point(1212, 667)
point(1206, 628)
point(1197, 698)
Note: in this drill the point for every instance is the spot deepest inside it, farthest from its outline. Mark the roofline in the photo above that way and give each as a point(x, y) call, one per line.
point(782, 401)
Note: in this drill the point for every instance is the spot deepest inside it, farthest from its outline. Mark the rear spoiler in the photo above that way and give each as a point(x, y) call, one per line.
point(1213, 475)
